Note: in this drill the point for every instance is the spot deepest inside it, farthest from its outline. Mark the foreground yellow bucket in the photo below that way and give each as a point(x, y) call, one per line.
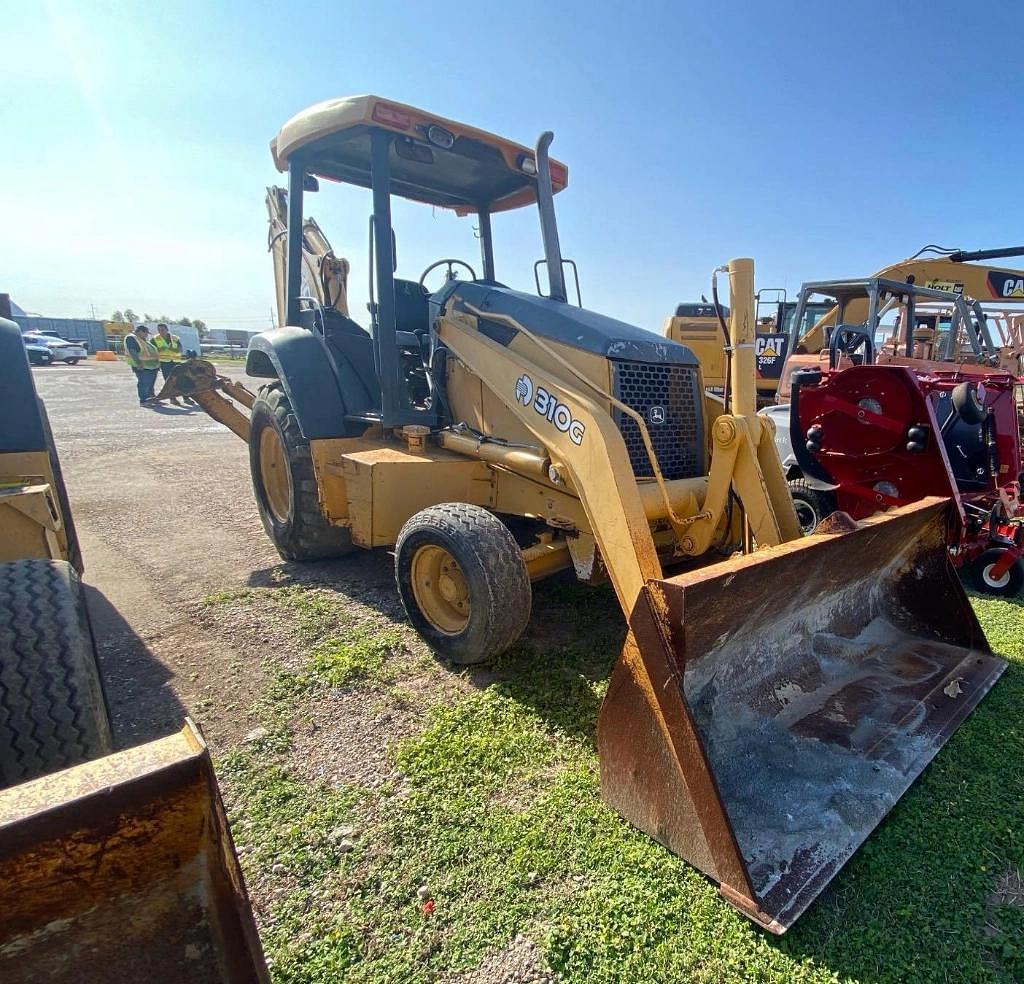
point(767, 712)
point(122, 870)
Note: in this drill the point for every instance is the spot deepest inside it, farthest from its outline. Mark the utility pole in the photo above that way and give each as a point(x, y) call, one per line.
point(92, 308)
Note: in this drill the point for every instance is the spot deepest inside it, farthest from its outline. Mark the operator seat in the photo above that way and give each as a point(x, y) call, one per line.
point(410, 312)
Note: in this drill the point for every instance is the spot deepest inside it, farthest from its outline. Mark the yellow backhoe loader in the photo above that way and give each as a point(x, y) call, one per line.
point(114, 866)
point(766, 711)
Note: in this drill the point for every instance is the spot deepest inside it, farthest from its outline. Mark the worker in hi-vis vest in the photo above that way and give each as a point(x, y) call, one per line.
point(168, 347)
point(141, 355)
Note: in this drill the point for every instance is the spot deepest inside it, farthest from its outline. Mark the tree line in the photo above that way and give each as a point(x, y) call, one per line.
point(128, 316)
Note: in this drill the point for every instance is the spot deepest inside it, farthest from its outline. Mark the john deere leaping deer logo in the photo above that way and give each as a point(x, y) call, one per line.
point(656, 415)
point(549, 408)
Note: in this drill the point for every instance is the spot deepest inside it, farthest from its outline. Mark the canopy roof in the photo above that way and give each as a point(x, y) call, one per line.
point(478, 170)
point(846, 290)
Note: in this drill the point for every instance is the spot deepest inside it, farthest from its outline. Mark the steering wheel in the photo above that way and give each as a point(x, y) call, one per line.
point(848, 340)
point(450, 263)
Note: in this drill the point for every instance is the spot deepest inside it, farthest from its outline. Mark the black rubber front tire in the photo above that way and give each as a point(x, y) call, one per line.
point(812, 505)
point(52, 711)
point(1009, 586)
point(305, 534)
point(492, 565)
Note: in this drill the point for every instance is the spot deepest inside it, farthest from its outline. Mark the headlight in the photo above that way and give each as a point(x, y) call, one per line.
point(440, 137)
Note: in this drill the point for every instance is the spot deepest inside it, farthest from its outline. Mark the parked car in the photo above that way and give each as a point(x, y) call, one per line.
point(84, 342)
point(60, 349)
point(38, 355)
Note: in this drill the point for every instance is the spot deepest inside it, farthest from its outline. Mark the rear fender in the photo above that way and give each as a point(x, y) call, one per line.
point(23, 428)
point(299, 359)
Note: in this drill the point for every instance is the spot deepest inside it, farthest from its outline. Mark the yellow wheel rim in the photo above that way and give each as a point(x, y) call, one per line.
point(440, 589)
point(277, 486)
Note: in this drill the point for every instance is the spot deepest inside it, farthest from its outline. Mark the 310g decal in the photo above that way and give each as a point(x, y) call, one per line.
point(549, 408)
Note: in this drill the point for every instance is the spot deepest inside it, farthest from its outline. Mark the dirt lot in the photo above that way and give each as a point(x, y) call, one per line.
point(165, 514)
point(164, 508)
point(400, 821)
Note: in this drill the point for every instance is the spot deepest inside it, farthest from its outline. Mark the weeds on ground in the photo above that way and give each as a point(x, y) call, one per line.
point(499, 822)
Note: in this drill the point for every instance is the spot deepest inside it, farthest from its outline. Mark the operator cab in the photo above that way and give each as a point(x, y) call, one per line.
point(386, 375)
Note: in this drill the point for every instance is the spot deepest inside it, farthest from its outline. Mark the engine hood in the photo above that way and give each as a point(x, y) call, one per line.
point(562, 323)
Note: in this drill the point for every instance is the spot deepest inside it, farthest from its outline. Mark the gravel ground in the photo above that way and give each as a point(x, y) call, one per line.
point(165, 513)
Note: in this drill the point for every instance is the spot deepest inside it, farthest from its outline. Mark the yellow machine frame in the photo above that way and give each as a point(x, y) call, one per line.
point(587, 494)
point(29, 512)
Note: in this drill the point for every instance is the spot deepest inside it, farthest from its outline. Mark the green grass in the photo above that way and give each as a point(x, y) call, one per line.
point(498, 812)
point(343, 650)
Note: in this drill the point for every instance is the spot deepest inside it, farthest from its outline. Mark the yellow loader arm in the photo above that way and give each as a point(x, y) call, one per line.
point(594, 457)
point(767, 711)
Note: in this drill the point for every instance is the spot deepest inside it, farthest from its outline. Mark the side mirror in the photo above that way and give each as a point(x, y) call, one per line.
point(310, 183)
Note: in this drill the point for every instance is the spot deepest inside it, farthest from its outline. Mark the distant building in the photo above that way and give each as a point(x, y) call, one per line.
point(84, 330)
point(231, 336)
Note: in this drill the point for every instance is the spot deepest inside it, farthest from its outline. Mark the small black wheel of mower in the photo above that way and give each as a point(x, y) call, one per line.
point(1008, 586)
point(52, 711)
point(812, 505)
point(463, 582)
point(290, 510)
point(967, 404)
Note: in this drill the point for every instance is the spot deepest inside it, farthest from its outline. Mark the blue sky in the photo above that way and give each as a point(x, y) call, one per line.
point(823, 139)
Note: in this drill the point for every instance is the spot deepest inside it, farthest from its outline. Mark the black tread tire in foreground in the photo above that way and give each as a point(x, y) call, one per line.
point(492, 565)
point(306, 535)
point(52, 710)
point(812, 505)
point(1010, 586)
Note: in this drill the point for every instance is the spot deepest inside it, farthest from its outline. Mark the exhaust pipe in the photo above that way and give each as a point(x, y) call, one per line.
point(548, 225)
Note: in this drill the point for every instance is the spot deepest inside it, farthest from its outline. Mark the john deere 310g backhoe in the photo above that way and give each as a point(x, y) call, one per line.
point(766, 712)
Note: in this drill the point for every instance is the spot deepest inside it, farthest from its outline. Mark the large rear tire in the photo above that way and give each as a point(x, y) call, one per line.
point(52, 711)
point(285, 484)
point(463, 582)
point(812, 505)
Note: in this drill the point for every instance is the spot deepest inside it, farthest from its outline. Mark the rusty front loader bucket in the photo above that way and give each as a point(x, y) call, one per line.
point(767, 712)
point(122, 870)
point(198, 380)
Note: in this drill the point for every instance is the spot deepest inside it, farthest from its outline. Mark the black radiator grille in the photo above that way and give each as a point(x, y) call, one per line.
point(667, 397)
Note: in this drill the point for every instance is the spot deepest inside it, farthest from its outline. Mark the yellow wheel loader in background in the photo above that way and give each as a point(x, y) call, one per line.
point(114, 867)
point(766, 711)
